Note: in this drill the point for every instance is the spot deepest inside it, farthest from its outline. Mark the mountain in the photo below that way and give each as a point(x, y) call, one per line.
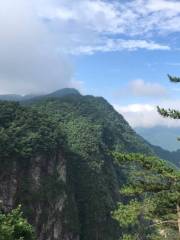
point(173, 157)
point(16, 97)
point(57, 94)
point(11, 97)
point(55, 156)
point(20, 98)
point(164, 137)
point(64, 92)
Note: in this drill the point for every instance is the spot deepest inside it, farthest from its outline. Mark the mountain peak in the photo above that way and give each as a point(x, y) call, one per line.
point(63, 92)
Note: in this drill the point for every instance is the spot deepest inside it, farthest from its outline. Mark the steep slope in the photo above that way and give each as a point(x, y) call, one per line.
point(60, 165)
point(172, 157)
point(93, 129)
point(33, 172)
point(116, 132)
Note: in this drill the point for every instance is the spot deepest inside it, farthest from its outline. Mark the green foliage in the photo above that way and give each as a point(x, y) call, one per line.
point(87, 124)
point(128, 237)
point(85, 130)
point(172, 157)
point(13, 226)
point(127, 214)
point(170, 113)
point(25, 132)
point(92, 130)
point(153, 188)
point(174, 79)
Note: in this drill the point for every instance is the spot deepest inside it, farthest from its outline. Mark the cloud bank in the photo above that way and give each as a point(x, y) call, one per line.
point(140, 88)
point(105, 26)
point(29, 61)
point(37, 37)
point(146, 115)
point(133, 18)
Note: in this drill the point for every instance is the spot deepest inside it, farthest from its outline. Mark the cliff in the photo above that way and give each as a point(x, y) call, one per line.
point(55, 156)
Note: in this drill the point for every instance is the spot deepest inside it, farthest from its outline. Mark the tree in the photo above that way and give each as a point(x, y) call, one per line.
point(170, 113)
point(13, 226)
point(152, 197)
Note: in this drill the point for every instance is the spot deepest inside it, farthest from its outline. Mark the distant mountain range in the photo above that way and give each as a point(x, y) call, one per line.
point(20, 98)
point(164, 137)
point(15, 97)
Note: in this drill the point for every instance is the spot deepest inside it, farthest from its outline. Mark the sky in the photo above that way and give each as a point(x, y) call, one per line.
point(119, 49)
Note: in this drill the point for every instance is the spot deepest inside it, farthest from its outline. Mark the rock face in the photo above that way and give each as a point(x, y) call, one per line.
point(33, 172)
point(56, 162)
point(41, 188)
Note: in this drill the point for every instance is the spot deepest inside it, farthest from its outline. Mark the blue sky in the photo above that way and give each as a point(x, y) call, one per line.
point(109, 73)
point(121, 50)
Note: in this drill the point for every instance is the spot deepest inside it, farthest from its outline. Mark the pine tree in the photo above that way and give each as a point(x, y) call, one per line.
point(170, 113)
point(173, 114)
point(152, 197)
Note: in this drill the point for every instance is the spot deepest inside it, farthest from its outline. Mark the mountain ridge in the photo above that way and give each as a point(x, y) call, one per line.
point(165, 137)
point(172, 156)
point(58, 93)
point(56, 153)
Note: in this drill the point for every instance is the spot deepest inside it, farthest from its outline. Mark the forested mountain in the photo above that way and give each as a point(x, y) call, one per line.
point(173, 157)
point(163, 143)
point(55, 153)
point(33, 97)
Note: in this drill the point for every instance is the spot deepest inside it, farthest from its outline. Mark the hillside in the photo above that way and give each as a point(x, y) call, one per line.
point(55, 153)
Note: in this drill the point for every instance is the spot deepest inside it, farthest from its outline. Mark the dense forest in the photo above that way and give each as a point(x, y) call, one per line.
point(57, 161)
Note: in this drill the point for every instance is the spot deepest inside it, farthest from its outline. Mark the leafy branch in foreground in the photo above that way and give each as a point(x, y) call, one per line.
point(13, 226)
point(174, 79)
point(151, 195)
point(170, 113)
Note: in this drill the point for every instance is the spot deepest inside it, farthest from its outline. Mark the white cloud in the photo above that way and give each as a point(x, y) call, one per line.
point(140, 88)
point(37, 35)
point(110, 45)
point(77, 85)
point(28, 61)
point(91, 26)
point(164, 5)
point(97, 15)
point(127, 17)
point(145, 115)
point(139, 115)
point(151, 16)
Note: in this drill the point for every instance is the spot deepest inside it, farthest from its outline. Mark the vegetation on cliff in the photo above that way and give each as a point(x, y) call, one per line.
point(85, 130)
point(13, 226)
point(25, 132)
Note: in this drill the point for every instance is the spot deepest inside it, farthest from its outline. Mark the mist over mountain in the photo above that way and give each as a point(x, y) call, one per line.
point(16, 97)
point(165, 137)
point(58, 93)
